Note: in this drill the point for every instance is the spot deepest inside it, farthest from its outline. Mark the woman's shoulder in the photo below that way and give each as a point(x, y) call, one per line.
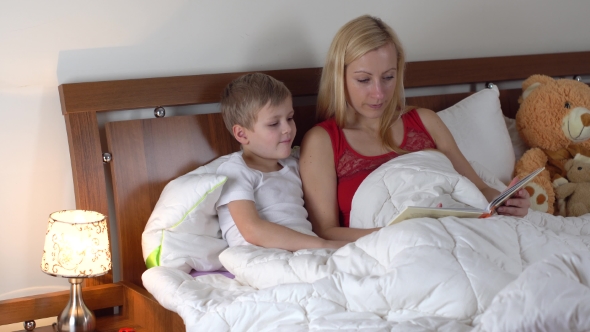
point(328, 125)
point(316, 134)
point(428, 116)
point(419, 112)
point(317, 141)
point(322, 130)
point(423, 115)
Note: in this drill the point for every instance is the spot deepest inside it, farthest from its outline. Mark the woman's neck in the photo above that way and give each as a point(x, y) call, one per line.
point(357, 121)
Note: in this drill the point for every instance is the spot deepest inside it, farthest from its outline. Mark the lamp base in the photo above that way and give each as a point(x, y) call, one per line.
point(76, 317)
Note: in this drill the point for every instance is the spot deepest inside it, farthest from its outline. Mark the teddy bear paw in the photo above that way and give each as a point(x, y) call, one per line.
point(559, 181)
point(539, 201)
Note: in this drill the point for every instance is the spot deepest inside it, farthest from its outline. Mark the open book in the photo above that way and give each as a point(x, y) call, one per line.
point(432, 212)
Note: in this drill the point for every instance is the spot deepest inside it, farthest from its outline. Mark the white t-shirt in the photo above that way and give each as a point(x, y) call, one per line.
point(278, 196)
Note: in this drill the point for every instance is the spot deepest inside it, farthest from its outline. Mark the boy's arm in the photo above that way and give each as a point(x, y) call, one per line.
point(264, 233)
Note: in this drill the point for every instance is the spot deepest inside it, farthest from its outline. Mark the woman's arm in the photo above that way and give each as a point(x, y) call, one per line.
point(266, 234)
point(318, 174)
point(518, 205)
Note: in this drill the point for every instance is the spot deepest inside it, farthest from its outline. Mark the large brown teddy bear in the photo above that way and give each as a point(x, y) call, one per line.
point(576, 193)
point(554, 121)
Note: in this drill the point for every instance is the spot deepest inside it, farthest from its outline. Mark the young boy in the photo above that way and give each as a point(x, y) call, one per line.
point(262, 201)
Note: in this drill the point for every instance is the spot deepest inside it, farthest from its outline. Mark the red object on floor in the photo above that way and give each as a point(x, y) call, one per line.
point(126, 329)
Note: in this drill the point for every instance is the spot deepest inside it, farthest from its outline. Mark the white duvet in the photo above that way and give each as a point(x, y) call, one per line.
point(448, 274)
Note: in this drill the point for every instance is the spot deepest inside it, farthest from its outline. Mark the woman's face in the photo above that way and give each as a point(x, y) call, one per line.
point(370, 81)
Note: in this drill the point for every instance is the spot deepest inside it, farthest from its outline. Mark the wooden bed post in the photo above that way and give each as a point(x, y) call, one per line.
point(88, 170)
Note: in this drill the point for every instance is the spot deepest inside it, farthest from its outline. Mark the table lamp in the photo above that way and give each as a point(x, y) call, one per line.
point(76, 247)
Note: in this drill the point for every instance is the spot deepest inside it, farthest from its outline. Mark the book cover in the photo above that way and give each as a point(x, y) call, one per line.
point(432, 212)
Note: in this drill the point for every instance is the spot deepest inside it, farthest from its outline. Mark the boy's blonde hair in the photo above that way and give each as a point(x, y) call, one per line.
point(355, 39)
point(245, 96)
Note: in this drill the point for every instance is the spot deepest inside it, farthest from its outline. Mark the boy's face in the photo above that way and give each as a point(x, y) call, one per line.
point(273, 132)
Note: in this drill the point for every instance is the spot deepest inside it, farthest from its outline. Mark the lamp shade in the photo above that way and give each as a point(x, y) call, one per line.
point(76, 244)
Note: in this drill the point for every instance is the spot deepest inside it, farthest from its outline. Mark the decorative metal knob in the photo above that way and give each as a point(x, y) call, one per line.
point(489, 85)
point(107, 157)
point(30, 325)
point(578, 78)
point(159, 112)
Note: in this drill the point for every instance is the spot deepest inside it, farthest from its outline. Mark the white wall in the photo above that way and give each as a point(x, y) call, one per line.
point(47, 43)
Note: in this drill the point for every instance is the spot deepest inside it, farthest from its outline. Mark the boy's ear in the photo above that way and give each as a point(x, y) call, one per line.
point(240, 134)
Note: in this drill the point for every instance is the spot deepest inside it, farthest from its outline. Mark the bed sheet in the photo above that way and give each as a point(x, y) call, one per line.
point(448, 274)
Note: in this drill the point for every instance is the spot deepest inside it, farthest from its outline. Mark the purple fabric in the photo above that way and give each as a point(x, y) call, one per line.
point(203, 273)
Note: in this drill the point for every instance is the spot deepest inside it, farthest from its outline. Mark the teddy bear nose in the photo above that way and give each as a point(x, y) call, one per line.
point(586, 119)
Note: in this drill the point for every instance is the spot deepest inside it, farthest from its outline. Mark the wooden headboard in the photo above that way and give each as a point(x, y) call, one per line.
point(147, 153)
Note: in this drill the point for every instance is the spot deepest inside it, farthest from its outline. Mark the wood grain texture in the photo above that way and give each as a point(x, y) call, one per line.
point(509, 102)
point(304, 119)
point(495, 69)
point(436, 103)
point(88, 171)
point(143, 309)
point(104, 324)
point(200, 89)
point(52, 304)
point(147, 154)
point(167, 91)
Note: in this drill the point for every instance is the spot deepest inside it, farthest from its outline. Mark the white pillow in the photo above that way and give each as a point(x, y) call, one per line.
point(478, 126)
point(183, 230)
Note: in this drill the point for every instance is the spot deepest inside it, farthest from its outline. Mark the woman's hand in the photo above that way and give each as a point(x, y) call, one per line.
point(517, 205)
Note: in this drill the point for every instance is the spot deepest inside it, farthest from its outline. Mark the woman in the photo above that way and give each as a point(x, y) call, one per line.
point(364, 124)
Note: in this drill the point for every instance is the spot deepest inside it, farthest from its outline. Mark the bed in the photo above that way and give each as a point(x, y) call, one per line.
point(120, 168)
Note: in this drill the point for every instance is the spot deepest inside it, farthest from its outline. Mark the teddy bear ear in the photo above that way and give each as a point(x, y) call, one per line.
point(533, 82)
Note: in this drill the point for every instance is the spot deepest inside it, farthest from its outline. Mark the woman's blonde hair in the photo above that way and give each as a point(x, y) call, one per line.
point(353, 40)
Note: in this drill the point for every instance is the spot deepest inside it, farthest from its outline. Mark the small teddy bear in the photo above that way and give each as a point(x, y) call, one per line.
point(554, 122)
point(576, 193)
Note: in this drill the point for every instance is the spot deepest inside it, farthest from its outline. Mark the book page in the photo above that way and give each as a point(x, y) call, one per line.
point(432, 212)
point(427, 212)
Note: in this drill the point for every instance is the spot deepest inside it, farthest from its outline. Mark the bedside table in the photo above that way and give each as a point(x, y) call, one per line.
point(103, 324)
point(42, 329)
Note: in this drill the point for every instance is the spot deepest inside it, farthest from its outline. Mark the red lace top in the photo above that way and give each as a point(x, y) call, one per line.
point(352, 168)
